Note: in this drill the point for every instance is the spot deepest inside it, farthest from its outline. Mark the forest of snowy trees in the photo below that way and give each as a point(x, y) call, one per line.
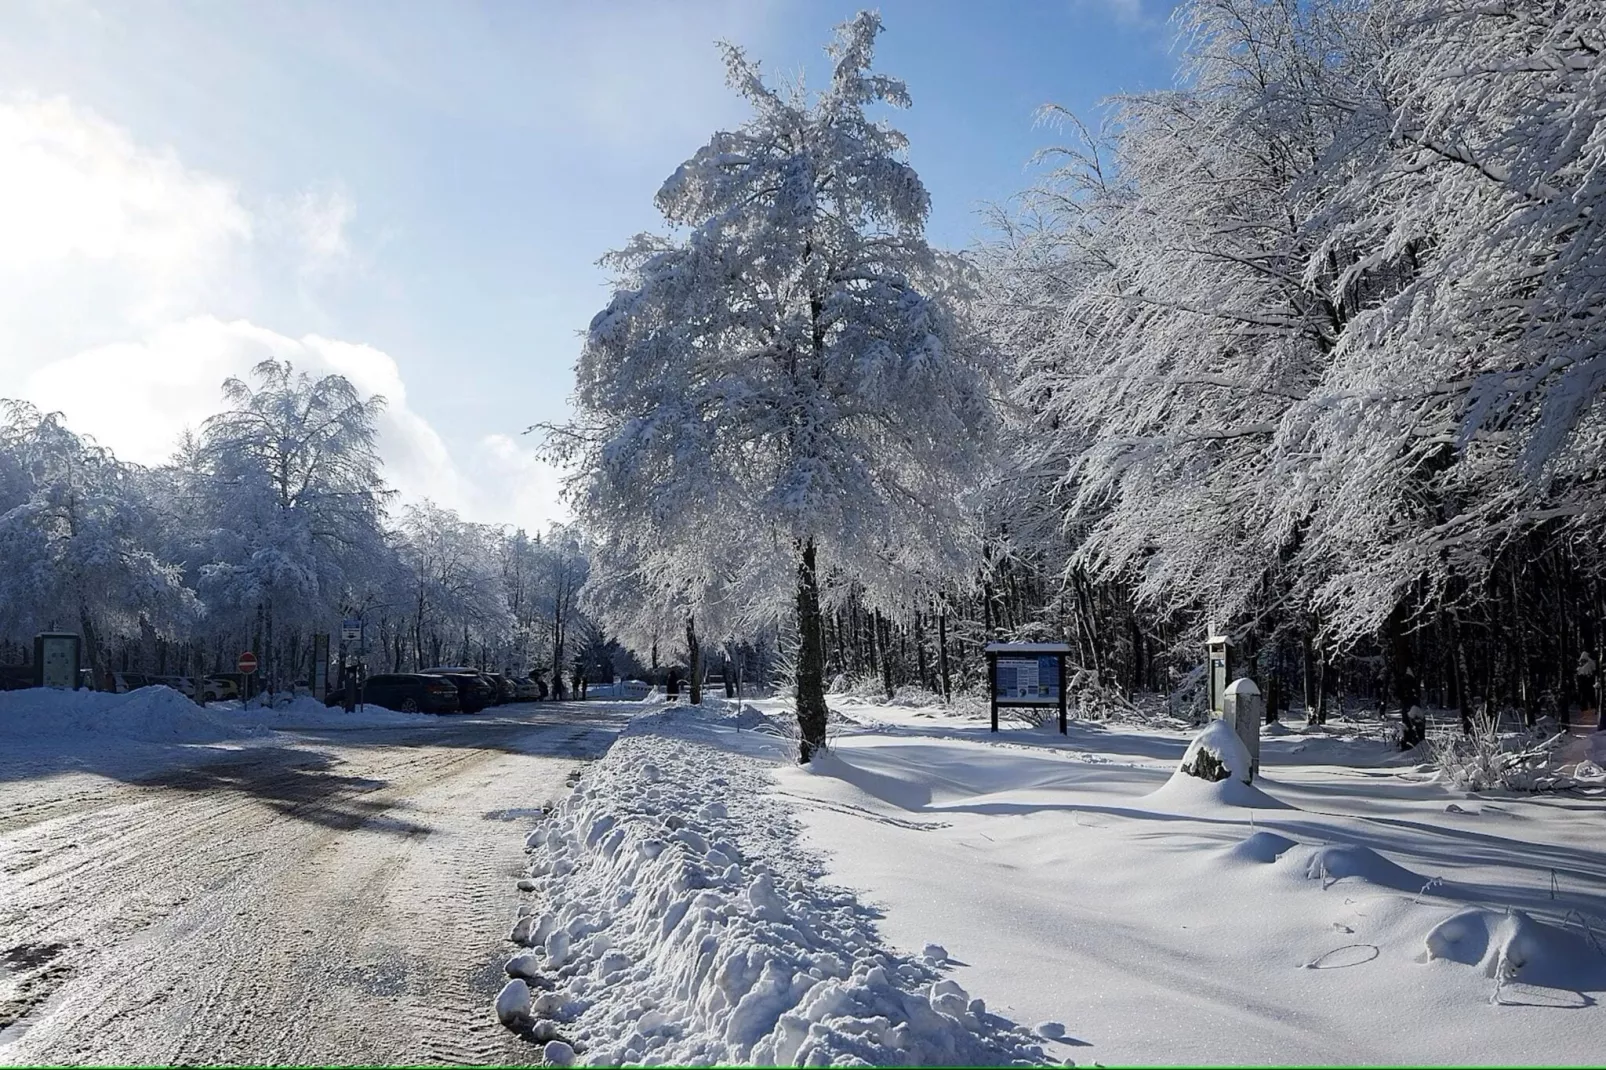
point(271, 523)
point(1307, 350)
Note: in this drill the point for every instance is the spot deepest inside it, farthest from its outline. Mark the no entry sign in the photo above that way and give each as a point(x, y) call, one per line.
point(248, 663)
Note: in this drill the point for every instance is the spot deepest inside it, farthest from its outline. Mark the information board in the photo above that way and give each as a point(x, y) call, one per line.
point(1029, 680)
point(1027, 674)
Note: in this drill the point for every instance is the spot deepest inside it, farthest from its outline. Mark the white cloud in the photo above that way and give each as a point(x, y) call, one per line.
point(527, 488)
point(100, 233)
point(114, 260)
point(1126, 12)
point(138, 397)
point(313, 225)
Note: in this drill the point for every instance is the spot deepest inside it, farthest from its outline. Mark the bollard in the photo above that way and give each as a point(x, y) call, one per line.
point(1244, 709)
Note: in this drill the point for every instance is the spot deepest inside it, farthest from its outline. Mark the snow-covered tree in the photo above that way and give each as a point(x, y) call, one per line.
point(76, 539)
point(287, 498)
point(458, 601)
point(785, 375)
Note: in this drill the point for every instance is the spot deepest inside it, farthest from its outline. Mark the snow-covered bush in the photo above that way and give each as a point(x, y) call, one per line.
point(1489, 758)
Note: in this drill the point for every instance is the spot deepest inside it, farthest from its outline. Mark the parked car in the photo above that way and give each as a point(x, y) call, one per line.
point(131, 681)
point(504, 687)
point(409, 692)
point(475, 691)
point(484, 691)
point(219, 689)
point(182, 684)
point(527, 690)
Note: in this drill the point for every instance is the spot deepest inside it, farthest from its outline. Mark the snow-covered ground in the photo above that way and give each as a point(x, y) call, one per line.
point(1347, 909)
point(674, 918)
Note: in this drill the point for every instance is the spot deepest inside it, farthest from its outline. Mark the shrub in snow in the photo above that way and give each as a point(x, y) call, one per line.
point(691, 927)
point(1487, 758)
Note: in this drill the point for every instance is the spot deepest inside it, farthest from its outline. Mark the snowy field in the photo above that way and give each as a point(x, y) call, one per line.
point(929, 893)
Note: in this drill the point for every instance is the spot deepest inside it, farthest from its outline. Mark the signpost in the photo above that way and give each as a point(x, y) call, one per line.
point(1027, 674)
point(351, 630)
point(1219, 666)
point(247, 665)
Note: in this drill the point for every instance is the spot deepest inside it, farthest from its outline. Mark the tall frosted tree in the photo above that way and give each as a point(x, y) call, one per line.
point(289, 496)
point(784, 375)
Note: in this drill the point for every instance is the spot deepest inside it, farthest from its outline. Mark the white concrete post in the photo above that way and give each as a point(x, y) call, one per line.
point(1244, 709)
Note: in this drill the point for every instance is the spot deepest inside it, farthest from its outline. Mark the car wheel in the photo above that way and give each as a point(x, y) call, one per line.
point(409, 705)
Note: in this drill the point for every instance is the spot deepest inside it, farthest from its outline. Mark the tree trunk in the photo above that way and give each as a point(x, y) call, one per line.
point(811, 710)
point(1312, 699)
point(942, 654)
point(694, 662)
point(92, 652)
point(922, 663)
point(883, 628)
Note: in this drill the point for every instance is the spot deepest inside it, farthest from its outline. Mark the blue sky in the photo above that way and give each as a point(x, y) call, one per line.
point(416, 194)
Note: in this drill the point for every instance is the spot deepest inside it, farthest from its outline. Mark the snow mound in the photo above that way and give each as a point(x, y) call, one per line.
point(156, 714)
point(1216, 750)
point(1512, 946)
point(1334, 862)
point(673, 930)
point(1261, 847)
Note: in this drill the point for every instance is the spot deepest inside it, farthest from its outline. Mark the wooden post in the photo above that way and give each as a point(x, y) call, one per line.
point(1064, 727)
point(992, 685)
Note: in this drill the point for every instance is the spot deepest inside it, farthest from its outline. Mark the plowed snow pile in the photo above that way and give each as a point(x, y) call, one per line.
point(151, 714)
point(676, 919)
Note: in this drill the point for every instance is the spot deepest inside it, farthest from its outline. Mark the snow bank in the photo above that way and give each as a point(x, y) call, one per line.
point(677, 920)
point(1216, 748)
point(152, 714)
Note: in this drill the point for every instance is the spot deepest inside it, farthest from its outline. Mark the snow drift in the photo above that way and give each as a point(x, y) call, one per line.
point(676, 919)
point(1216, 747)
point(151, 714)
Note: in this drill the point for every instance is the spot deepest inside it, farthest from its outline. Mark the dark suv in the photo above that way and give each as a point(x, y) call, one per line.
point(410, 692)
point(475, 691)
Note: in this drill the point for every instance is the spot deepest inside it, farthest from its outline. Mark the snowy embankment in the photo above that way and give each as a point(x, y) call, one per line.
point(674, 918)
point(45, 729)
point(1345, 907)
point(149, 715)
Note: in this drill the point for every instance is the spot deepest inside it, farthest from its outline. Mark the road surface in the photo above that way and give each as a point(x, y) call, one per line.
point(326, 897)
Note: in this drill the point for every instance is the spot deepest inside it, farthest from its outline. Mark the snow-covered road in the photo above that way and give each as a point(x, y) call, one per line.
point(323, 896)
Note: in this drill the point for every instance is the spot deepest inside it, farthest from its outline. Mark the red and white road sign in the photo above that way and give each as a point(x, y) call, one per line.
point(248, 663)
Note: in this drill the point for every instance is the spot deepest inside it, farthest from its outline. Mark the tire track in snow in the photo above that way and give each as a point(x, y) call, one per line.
point(336, 901)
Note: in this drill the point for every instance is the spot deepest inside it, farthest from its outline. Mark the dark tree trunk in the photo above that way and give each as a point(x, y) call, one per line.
point(923, 664)
point(942, 654)
point(93, 656)
point(883, 629)
point(811, 711)
point(694, 662)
